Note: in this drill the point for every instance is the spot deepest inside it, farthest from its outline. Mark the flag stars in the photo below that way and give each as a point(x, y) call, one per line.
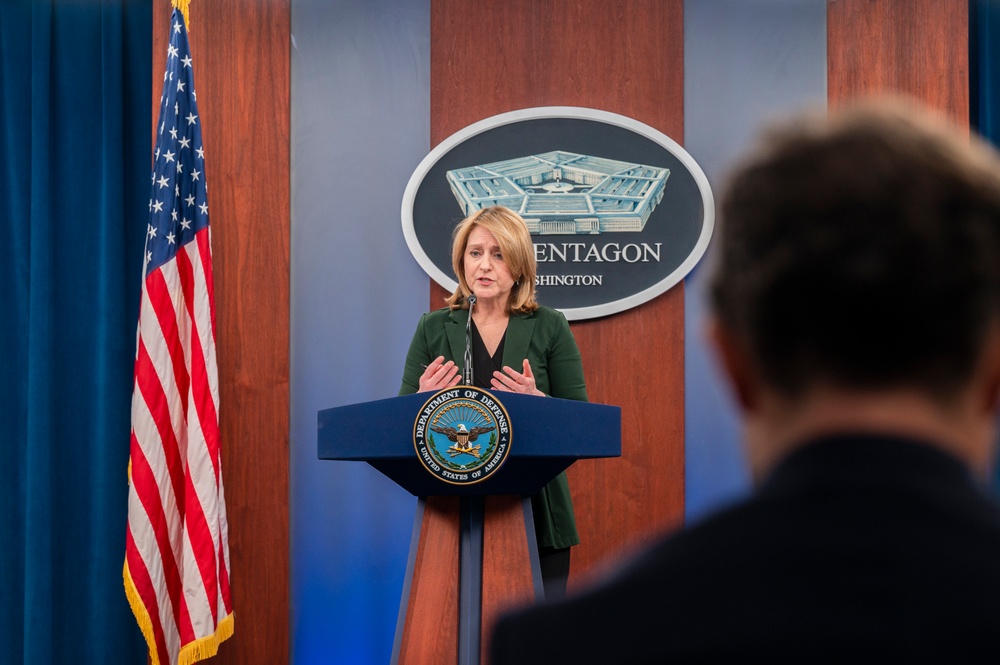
point(178, 127)
point(150, 231)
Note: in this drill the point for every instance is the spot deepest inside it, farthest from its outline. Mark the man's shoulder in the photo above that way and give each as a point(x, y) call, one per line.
point(766, 568)
point(622, 619)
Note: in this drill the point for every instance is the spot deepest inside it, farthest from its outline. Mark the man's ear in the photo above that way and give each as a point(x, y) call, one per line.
point(731, 353)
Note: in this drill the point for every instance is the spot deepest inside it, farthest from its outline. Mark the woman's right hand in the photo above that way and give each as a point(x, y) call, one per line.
point(439, 375)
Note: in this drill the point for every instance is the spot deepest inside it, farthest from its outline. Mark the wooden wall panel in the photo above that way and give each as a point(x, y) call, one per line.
point(494, 56)
point(240, 50)
point(918, 48)
point(431, 632)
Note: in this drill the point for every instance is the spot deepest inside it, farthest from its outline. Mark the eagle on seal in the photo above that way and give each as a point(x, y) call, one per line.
point(462, 437)
point(460, 434)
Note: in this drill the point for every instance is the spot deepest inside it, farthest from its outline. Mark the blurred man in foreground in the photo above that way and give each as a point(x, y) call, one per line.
point(856, 304)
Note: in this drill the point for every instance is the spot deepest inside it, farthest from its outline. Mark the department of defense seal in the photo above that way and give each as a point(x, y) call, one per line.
point(462, 435)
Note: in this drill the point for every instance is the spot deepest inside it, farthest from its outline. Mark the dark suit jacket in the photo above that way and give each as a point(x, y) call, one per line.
point(544, 338)
point(856, 549)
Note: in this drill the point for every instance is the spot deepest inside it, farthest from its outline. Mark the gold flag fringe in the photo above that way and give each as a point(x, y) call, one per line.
point(184, 6)
point(141, 616)
point(207, 646)
point(200, 649)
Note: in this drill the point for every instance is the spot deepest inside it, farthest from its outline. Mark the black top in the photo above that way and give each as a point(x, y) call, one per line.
point(483, 364)
point(855, 549)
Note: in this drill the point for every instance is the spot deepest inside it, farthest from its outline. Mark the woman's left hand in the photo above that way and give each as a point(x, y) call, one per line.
point(516, 382)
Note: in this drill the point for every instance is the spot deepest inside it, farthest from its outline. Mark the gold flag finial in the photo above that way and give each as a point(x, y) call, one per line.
point(184, 6)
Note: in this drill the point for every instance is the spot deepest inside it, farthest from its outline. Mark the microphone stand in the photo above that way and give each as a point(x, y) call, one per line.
point(467, 370)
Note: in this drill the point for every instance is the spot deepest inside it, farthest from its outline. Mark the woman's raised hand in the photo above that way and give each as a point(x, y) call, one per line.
point(516, 382)
point(439, 375)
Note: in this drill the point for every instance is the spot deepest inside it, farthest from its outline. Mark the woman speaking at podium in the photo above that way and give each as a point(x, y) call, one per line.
point(517, 346)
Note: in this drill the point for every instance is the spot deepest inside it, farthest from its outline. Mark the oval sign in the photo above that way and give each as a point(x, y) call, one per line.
point(618, 211)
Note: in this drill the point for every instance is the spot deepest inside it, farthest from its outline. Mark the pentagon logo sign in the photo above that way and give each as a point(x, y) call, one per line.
point(618, 212)
point(462, 435)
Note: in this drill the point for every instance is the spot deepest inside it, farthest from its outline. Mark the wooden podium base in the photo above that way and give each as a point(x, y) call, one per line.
point(471, 558)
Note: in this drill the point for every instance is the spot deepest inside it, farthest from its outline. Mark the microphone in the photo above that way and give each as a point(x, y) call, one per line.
point(467, 371)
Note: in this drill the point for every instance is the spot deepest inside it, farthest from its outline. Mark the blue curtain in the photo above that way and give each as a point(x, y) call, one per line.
point(75, 136)
point(984, 68)
point(984, 92)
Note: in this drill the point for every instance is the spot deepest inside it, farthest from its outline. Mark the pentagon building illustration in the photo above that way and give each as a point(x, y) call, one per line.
point(562, 192)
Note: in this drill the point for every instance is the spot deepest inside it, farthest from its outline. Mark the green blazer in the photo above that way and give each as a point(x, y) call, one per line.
point(544, 338)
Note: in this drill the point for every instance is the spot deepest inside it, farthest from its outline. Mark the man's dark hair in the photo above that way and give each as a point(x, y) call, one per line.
point(862, 250)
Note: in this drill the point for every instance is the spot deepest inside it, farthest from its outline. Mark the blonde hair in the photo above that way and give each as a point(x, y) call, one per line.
point(516, 247)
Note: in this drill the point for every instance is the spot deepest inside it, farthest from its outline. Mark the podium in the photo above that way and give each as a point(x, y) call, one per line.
point(473, 551)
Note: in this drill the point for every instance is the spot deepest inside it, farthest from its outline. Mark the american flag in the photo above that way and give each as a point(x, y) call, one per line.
point(177, 552)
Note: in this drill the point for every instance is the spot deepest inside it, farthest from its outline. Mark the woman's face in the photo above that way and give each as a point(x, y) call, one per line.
point(486, 273)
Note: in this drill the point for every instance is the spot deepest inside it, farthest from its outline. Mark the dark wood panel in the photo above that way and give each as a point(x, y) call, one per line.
point(918, 48)
point(240, 50)
point(642, 493)
point(431, 631)
point(506, 562)
point(626, 57)
point(496, 56)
